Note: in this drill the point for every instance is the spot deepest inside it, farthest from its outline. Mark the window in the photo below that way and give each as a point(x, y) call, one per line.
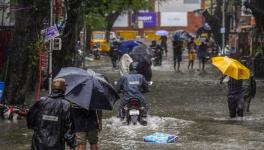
point(191, 1)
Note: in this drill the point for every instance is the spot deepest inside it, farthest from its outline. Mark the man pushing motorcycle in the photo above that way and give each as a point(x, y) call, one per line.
point(133, 85)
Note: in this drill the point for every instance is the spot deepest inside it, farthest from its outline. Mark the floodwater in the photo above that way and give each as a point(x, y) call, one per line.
point(189, 104)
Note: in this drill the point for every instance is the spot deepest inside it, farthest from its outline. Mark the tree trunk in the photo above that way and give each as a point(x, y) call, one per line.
point(110, 19)
point(23, 53)
point(215, 25)
point(257, 8)
point(65, 57)
point(89, 38)
point(215, 21)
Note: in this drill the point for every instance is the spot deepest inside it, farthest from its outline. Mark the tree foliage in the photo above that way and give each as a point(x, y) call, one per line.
point(111, 9)
point(97, 14)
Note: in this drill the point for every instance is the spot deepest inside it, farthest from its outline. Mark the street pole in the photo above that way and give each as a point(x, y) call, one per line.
point(223, 28)
point(50, 47)
point(84, 44)
point(212, 7)
point(158, 6)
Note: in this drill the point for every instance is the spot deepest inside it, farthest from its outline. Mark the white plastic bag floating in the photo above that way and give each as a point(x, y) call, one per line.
point(160, 138)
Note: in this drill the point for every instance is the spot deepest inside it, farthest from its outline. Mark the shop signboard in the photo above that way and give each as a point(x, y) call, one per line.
point(149, 19)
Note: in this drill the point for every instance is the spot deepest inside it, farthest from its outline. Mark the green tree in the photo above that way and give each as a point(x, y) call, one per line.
point(111, 9)
point(70, 35)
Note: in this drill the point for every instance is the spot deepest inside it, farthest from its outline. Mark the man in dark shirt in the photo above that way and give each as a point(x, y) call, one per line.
point(177, 54)
point(114, 52)
point(163, 43)
point(132, 85)
point(202, 54)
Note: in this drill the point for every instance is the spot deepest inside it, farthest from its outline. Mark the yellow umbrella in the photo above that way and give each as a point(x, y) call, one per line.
point(231, 67)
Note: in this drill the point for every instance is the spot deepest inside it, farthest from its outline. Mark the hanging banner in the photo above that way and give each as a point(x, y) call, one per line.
point(50, 33)
point(149, 19)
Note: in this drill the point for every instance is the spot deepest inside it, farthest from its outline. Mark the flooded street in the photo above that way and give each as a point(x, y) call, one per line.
point(189, 104)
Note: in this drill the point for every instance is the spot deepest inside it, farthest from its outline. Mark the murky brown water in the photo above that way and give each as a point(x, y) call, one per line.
point(190, 105)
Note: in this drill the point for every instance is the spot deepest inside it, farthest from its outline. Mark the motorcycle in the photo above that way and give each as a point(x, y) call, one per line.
point(10, 112)
point(134, 111)
point(114, 55)
point(96, 51)
point(157, 57)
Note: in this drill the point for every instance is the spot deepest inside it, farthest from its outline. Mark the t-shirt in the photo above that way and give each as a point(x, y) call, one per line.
point(84, 120)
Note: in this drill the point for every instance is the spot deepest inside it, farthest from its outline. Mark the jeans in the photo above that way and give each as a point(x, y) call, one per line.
point(236, 105)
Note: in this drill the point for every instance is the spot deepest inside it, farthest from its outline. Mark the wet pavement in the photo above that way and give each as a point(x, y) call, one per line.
point(189, 104)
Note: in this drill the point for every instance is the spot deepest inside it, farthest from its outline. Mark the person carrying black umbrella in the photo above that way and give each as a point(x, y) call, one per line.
point(51, 120)
point(87, 125)
point(89, 93)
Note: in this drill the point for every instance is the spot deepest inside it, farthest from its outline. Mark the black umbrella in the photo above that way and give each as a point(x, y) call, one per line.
point(142, 55)
point(141, 52)
point(88, 89)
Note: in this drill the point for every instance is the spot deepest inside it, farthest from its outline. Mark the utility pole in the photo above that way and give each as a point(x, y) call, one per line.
point(84, 44)
point(50, 47)
point(212, 5)
point(158, 6)
point(223, 28)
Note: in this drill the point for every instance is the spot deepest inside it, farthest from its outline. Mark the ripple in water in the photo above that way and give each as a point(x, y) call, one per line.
point(245, 118)
point(129, 136)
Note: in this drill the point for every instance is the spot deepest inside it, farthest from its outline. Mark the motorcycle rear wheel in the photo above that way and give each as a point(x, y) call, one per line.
point(134, 119)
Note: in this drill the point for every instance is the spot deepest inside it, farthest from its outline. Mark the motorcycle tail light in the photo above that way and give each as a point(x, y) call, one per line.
point(134, 103)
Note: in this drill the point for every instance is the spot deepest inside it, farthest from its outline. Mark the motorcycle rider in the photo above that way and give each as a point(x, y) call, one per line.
point(114, 52)
point(51, 120)
point(96, 51)
point(158, 51)
point(132, 85)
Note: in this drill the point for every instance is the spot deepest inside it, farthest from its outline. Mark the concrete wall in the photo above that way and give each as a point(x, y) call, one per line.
point(194, 20)
point(177, 5)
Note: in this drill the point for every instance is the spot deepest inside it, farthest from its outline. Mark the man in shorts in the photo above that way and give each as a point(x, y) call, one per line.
point(87, 126)
point(177, 54)
point(202, 54)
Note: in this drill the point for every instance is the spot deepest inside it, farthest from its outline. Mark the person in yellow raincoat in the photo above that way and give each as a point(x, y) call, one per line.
point(191, 57)
point(191, 53)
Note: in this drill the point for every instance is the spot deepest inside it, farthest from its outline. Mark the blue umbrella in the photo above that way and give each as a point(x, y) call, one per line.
point(89, 90)
point(128, 46)
point(181, 35)
point(162, 33)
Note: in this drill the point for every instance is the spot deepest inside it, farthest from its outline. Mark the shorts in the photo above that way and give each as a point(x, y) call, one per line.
point(91, 136)
point(178, 58)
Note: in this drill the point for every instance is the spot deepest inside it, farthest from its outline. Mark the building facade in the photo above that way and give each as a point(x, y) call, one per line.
point(169, 15)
